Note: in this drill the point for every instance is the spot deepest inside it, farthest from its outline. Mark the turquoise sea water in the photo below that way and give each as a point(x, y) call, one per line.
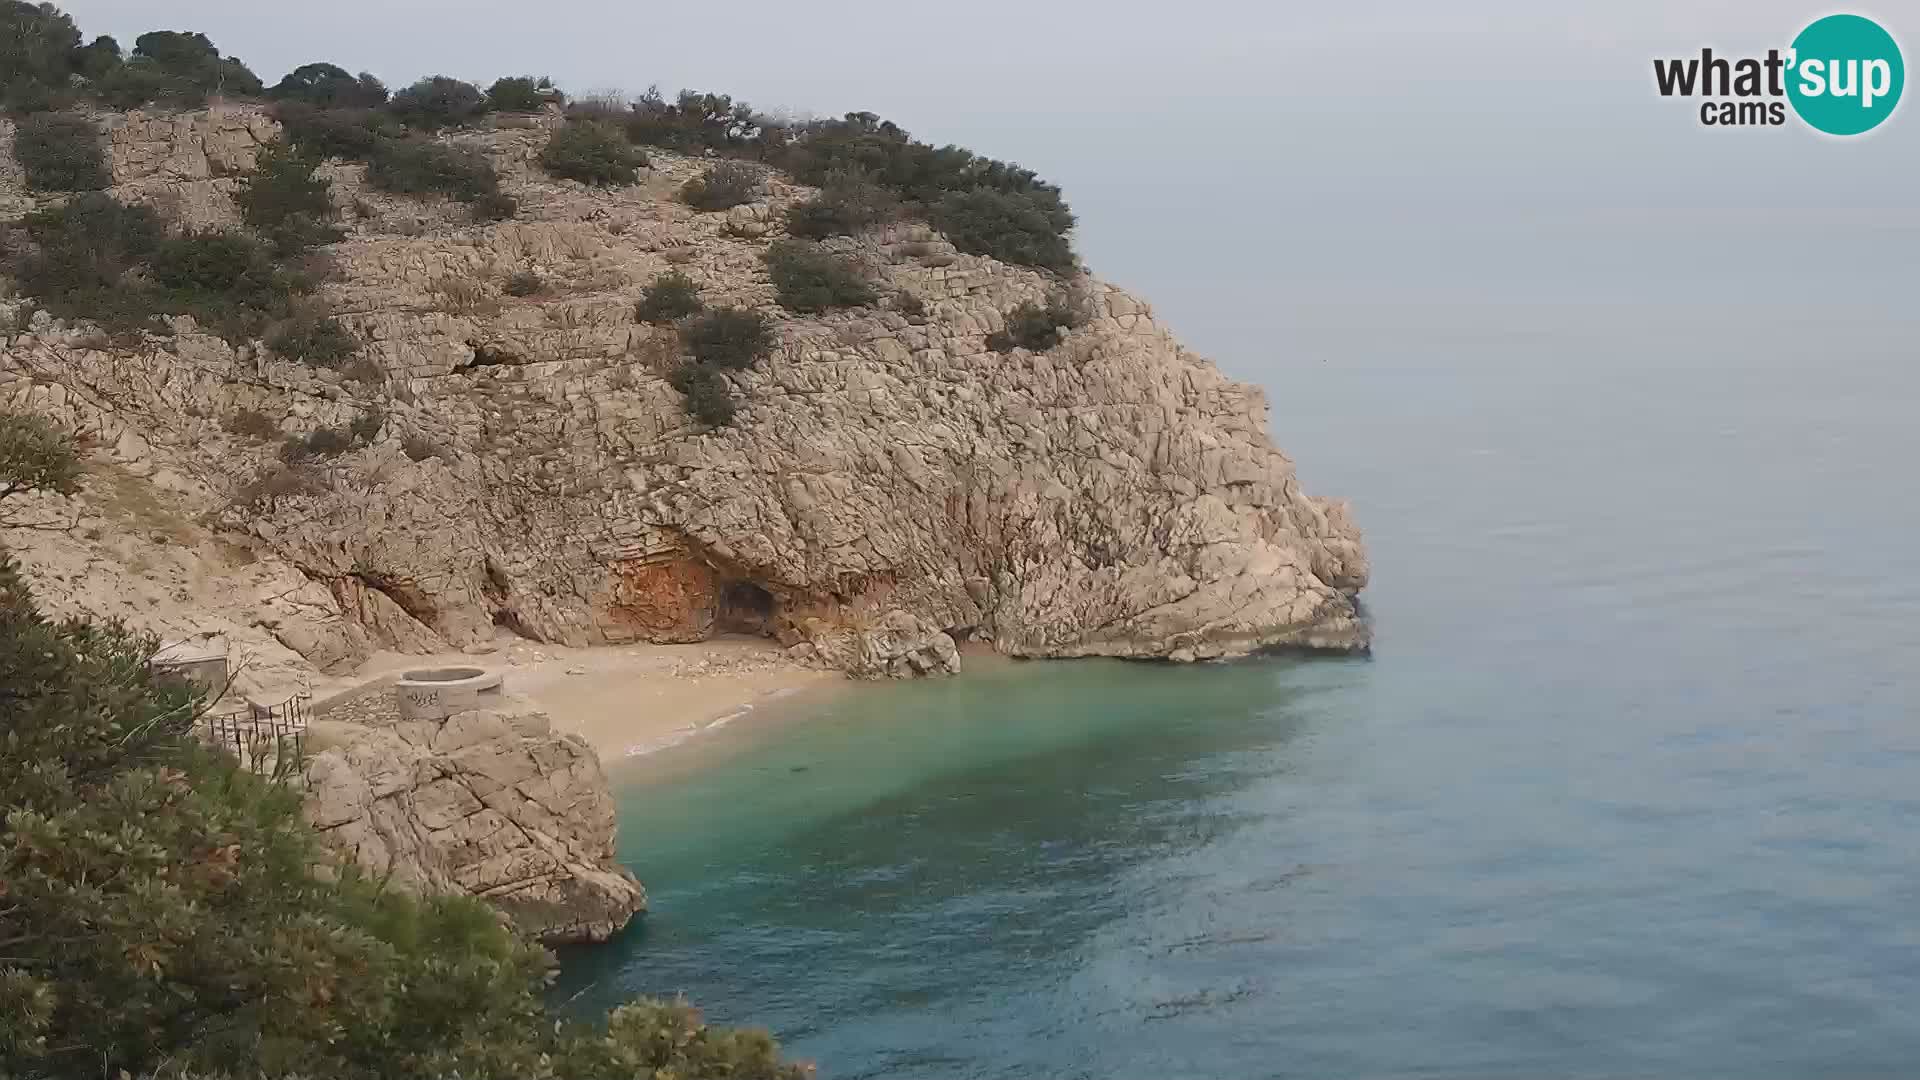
point(1629, 788)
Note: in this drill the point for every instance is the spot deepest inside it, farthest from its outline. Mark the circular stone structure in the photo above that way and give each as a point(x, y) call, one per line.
point(437, 693)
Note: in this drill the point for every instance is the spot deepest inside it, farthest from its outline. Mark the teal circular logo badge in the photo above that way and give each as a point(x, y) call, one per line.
point(1845, 75)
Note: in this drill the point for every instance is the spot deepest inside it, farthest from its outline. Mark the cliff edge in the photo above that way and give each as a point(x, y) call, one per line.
point(889, 484)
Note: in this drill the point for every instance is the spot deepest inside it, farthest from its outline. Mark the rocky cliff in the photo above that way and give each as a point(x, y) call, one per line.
point(889, 484)
point(499, 807)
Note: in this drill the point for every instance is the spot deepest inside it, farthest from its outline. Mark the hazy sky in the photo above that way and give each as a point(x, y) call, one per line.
point(1255, 167)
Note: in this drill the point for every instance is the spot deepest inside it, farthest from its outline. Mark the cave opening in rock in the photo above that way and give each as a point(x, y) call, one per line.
point(745, 608)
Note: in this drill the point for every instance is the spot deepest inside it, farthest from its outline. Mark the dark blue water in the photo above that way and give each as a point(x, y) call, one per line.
point(1630, 787)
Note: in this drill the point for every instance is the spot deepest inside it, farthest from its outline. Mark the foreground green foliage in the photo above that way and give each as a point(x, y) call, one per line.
point(593, 153)
point(810, 280)
point(161, 914)
point(60, 152)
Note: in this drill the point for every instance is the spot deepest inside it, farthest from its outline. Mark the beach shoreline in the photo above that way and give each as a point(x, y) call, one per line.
point(626, 701)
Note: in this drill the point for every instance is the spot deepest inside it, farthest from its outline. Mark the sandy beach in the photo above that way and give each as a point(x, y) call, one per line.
point(626, 701)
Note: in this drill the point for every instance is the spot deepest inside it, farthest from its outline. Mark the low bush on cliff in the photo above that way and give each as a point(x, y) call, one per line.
point(593, 153)
point(313, 337)
point(284, 202)
point(424, 167)
point(670, 296)
point(60, 152)
point(227, 280)
point(353, 134)
point(730, 338)
point(722, 186)
point(810, 280)
point(330, 86)
point(1011, 226)
point(111, 264)
point(848, 203)
point(709, 397)
point(162, 915)
point(80, 257)
point(437, 102)
point(693, 122)
point(176, 68)
point(520, 94)
point(1032, 326)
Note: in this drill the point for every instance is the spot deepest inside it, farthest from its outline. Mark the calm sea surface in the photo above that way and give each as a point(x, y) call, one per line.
point(1631, 786)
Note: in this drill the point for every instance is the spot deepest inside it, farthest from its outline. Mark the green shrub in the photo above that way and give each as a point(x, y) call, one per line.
point(424, 167)
point(730, 338)
point(1019, 218)
point(193, 58)
point(61, 152)
point(220, 262)
point(495, 206)
point(672, 295)
point(175, 67)
point(809, 280)
point(709, 398)
point(1031, 326)
point(253, 424)
point(438, 102)
point(82, 254)
point(320, 443)
point(98, 58)
point(37, 47)
point(722, 187)
point(1013, 227)
point(849, 203)
point(520, 94)
point(285, 203)
point(228, 281)
point(692, 122)
point(35, 456)
point(313, 338)
point(524, 283)
point(354, 134)
point(330, 87)
point(592, 153)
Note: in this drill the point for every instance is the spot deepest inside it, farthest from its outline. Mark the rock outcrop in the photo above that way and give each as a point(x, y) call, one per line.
point(495, 806)
point(890, 483)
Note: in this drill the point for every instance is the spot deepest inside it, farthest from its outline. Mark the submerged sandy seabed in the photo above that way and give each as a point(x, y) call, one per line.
point(626, 701)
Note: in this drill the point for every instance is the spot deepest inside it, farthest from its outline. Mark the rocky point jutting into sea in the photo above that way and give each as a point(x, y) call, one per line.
point(522, 459)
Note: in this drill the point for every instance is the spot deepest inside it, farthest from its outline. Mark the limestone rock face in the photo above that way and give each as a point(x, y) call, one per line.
point(1116, 495)
point(497, 807)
